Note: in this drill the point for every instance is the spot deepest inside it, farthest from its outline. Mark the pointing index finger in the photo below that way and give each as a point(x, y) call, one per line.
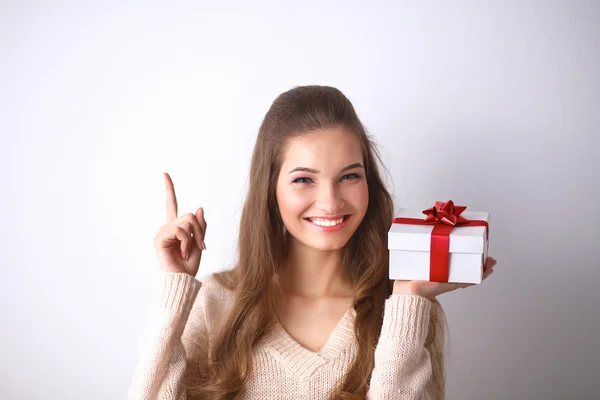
point(171, 206)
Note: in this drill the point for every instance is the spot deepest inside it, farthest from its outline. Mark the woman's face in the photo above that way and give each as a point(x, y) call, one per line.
point(322, 191)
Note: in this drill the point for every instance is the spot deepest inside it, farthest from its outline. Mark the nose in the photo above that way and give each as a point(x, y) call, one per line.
point(329, 199)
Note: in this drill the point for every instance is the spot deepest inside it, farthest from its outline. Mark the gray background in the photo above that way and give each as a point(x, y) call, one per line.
point(491, 104)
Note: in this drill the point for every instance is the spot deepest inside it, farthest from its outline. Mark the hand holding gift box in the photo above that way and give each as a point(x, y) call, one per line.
point(447, 245)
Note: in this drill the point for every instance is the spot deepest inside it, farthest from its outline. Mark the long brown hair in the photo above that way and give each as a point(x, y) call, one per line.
point(263, 240)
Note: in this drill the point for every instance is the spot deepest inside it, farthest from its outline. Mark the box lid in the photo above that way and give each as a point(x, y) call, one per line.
point(463, 239)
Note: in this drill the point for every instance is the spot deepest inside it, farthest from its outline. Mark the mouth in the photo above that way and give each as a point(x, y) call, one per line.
point(328, 223)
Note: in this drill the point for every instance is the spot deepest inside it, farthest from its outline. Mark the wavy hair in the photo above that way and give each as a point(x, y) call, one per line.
point(263, 240)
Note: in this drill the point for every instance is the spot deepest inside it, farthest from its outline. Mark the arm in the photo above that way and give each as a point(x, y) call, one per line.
point(403, 365)
point(164, 348)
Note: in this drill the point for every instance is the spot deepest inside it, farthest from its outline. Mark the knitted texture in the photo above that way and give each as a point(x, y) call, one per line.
point(174, 349)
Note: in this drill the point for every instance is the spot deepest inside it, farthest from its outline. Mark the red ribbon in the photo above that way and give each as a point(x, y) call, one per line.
point(444, 216)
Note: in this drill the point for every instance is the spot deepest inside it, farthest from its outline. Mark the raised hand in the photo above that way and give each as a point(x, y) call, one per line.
point(179, 243)
point(433, 289)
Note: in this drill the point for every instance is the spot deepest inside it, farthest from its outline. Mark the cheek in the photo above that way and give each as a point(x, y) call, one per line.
point(292, 202)
point(359, 197)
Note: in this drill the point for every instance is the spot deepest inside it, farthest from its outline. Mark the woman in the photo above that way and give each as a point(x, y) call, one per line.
point(308, 312)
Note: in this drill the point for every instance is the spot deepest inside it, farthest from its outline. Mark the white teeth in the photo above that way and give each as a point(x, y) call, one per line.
point(326, 222)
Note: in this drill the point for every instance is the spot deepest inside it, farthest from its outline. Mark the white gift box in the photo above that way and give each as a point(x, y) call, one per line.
point(409, 247)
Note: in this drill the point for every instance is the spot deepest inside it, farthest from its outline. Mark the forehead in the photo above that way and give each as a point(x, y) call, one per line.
point(332, 147)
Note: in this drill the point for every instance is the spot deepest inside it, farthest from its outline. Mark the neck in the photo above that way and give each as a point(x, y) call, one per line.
point(313, 273)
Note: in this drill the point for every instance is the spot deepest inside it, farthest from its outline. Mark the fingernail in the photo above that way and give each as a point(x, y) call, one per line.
point(203, 245)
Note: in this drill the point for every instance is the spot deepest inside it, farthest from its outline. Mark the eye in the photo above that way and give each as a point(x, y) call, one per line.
point(302, 180)
point(350, 176)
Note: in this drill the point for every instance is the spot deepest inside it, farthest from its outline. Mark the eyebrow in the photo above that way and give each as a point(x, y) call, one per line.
point(314, 171)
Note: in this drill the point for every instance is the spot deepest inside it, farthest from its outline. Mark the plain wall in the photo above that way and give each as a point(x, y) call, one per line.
point(491, 104)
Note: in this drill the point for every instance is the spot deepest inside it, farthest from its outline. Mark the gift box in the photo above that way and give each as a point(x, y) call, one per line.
point(443, 243)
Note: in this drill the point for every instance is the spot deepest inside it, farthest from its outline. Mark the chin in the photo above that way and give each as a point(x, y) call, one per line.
point(326, 244)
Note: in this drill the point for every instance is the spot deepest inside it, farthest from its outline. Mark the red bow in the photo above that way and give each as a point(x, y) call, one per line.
point(446, 213)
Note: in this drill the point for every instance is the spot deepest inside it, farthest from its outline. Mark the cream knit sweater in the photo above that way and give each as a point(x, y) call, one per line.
point(175, 346)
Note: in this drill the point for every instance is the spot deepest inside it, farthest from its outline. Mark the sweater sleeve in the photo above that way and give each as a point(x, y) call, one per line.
point(163, 351)
point(403, 366)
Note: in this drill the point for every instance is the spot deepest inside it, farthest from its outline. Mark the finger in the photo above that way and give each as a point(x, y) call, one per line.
point(202, 223)
point(490, 262)
point(171, 206)
point(194, 227)
point(169, 234)
point(187, 228)
point(184, 237)
point(487, 273)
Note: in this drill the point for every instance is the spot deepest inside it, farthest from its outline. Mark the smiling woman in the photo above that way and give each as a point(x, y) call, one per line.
point(308, 312)
point(322, 202)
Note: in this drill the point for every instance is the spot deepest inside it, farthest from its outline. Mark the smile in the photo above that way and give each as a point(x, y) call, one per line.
point(328, 223)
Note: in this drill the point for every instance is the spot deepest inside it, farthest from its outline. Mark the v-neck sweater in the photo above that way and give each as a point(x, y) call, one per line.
point(175, 346)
